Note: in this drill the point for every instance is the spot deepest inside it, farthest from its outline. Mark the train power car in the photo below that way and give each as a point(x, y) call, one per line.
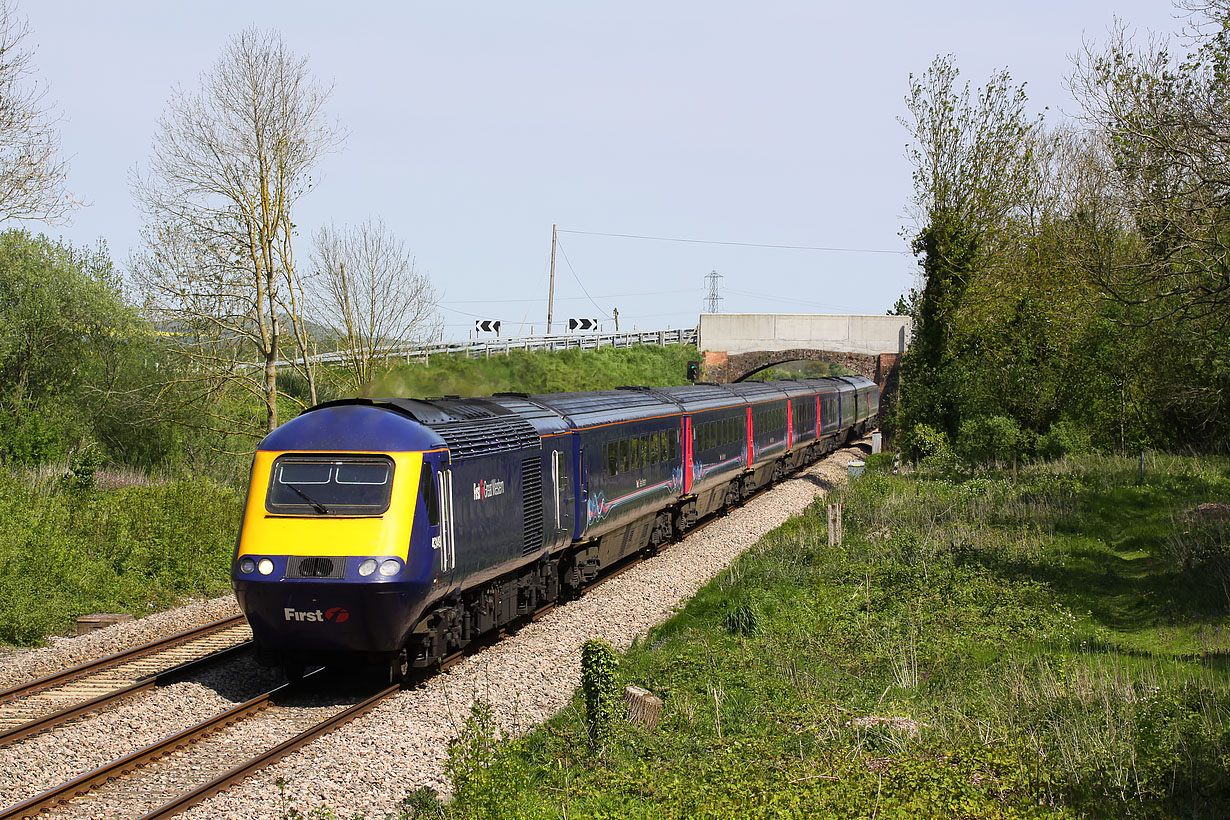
point(399, 530)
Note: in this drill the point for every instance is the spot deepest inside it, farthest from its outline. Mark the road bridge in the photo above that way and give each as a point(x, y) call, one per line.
point(736, 345)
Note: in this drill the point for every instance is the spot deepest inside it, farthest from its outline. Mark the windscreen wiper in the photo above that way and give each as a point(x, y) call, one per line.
point(316, 505)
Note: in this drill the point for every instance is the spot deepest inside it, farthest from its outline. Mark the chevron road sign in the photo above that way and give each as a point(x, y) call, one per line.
point(582, 324)
point(487, 325)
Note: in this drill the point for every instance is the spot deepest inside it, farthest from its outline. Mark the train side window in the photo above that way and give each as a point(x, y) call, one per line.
point(427, 489)
point(623, 455)
point(612, 458)
point(673, 441)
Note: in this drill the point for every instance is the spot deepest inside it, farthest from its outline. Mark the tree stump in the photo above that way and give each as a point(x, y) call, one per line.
point(644, 707)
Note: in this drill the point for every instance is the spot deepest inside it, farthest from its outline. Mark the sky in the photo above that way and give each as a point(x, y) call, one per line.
point(473, 128)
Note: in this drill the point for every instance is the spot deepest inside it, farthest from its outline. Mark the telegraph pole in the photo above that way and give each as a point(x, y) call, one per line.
point(551, 292)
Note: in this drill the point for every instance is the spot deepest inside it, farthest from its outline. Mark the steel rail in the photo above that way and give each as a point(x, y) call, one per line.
point(90, 667)
point(60, 716)
point(240, 773)
point(129, 763)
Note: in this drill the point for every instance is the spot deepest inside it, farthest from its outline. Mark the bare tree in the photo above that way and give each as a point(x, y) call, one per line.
point(367, 290)
point(1163, 121)
point(32, 171)
point(230, 161)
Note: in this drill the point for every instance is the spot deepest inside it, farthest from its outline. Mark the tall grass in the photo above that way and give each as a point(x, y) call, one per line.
point(130, 548)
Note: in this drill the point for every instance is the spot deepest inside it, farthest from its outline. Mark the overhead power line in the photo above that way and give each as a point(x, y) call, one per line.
point(574, 276)
point(734, 244)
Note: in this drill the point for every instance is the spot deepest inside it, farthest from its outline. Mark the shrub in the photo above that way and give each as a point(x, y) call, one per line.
point(1065, 438)
point(922, 441)
point(878, 463)
point(984, 439)
point(598, 686)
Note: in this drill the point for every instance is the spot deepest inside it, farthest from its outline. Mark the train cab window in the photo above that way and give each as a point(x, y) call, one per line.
point(329, 485)
point(427, 491)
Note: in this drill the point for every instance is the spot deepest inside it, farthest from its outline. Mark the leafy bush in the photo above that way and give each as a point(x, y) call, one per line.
point(65, 553)
point(598, 663)
point(987, 439)
point(1064, 438)
point(923, 441)
point(878, 463)
point(540, 372)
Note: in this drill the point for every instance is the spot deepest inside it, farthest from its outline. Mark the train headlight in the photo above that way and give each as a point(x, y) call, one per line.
point(367, 567)
point(390, 567)
point(247, 566)
point(265, 566)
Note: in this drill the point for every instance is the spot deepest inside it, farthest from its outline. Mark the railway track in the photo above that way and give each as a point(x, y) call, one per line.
point(173, 774)
point(52, 700)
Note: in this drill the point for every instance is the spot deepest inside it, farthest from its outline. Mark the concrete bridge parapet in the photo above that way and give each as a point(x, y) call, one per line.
point(736, 345)
point(754, 332)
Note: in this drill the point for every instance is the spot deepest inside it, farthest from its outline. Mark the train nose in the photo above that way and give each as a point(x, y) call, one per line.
point(330, 616)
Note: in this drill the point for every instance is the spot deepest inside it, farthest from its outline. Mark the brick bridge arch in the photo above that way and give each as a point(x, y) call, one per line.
point(726, 368)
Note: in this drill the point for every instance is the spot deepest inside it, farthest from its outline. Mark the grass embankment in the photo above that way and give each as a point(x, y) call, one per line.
point(66, 552)
point(540, 372)
point(977, 647)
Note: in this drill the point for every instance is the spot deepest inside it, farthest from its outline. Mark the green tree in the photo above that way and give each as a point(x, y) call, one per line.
point(971, 162)
point(1167, 168)
point(66, 341)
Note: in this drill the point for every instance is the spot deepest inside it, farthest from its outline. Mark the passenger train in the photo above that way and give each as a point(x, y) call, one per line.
point(399, 530)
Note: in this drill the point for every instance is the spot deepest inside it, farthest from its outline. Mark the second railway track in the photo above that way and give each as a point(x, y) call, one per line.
point(51, 700)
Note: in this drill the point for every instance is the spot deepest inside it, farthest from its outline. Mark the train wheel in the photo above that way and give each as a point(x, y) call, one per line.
point(399, 668)
point(293, 671)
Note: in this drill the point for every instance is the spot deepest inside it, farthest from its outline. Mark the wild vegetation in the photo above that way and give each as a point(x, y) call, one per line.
point(1074, 274)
